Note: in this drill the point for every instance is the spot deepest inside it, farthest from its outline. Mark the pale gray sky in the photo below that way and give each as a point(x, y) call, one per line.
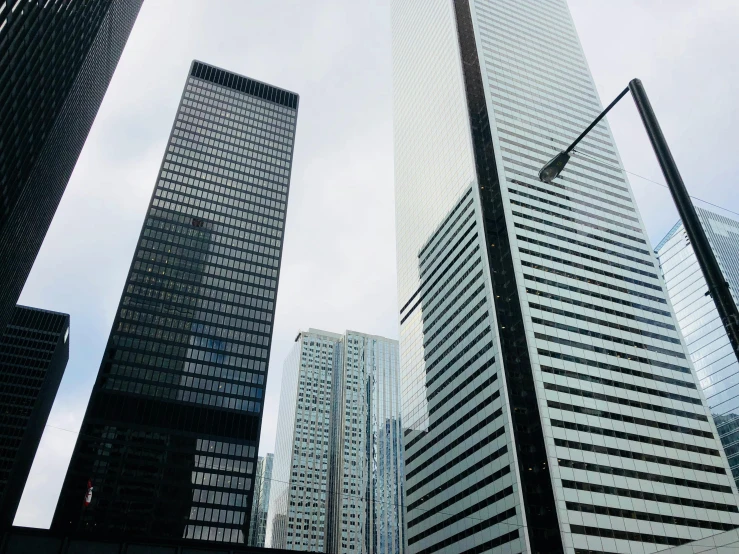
point(339, 260)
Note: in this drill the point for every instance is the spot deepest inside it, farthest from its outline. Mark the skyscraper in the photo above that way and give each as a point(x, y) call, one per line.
point(34, 350)
point(170, 437)
point(338, 474)
point(262, 488)
point(710, 350)
point(549, 404)
point(56, 60)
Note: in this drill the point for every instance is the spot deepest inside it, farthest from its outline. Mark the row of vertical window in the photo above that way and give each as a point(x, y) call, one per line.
point(198, 139)
point(216, 515)
point(198, 237)
point(200, 299)
point(261, 236)
point(195, 132)
point(243, 105)
point(180, 203)
point(192, 282)
point(180, 395)
point(195, 264)
point(222, 195)
point(215, 534)
point(182, 380)
point(644, 476)
point(255, 103)
point(200, 289)
point(183, 323)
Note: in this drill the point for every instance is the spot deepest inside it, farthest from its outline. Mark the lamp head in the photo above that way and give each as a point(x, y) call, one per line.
point(553, 167)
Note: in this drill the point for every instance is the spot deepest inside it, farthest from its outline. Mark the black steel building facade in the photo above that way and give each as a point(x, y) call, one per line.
point(33, 355)
point(170, 438)
point(56, 60)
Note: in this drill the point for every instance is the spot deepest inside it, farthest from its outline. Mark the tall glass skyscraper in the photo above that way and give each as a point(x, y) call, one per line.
point(549, 404)
point(34, 350)
point(713, 357)
point(56, 60)
point(170, 437)
point(338, 474)
point(262, 488)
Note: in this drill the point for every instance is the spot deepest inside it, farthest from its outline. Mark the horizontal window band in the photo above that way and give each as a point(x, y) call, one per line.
point(576, 221)
point(578, 232)
point(638, 456)
point(593, 293)
point(459, 440)
point(486, 523)
point(621, 472)
point(469, 491)
point(602, 322)
point(650, 496)
point(423, 266)
point(621, 385)
point(603, 336)
point(492, 437)
point(598, 308)
point(446, 219)
point(590, 268)
point(629, 419)
point(614, 353)
point(626, 535)
point(454, 301)
point(431, 380)
point(624, 402)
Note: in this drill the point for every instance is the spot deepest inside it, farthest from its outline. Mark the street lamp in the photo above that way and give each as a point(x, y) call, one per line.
point(718, 288)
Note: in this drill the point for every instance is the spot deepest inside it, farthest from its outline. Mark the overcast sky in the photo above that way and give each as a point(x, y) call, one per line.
point(338, 268)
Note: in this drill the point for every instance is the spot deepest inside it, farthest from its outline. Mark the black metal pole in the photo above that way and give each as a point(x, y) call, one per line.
point(717, 285)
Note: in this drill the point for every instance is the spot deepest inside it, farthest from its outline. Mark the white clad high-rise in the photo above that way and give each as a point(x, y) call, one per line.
point(549, 404)
point(338, 478)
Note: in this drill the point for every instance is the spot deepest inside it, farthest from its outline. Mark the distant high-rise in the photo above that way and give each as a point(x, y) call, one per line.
point(338, 474)
point(170, 438)
point(34, 350)
point(262, 487)
point(713, 357)
point(549, 403)
point(56, 60)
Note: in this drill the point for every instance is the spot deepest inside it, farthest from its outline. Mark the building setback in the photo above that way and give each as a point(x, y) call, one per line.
point(710, 350)
point(56, 60)
point(34, 350)
point(262, 487)
point(337, 483)
point(171, 433)
point(549, 403)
